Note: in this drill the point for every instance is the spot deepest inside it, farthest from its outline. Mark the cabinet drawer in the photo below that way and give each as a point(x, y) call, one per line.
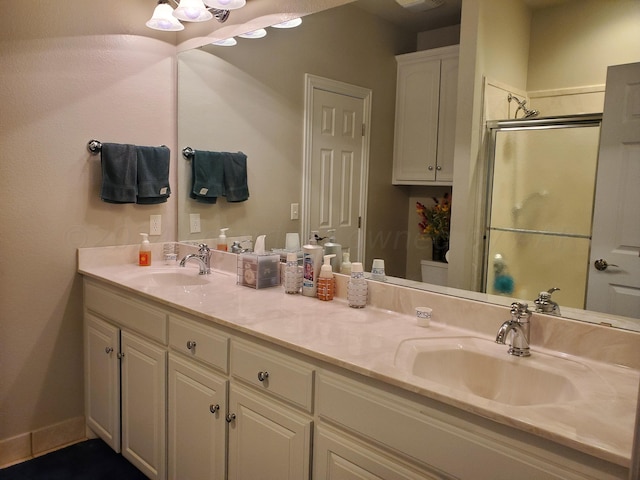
point(198, 341)
point(278, 374)
point(126, 312)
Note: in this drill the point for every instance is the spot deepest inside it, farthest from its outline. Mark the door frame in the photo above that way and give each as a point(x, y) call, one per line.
point(313, 83)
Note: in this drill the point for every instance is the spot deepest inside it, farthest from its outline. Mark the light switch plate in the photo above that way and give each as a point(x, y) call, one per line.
point(295, 211)
point(194, 222)
point(155, 224)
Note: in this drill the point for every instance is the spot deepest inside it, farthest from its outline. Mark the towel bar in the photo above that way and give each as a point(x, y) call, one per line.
point(94, 147)
point(188, 153)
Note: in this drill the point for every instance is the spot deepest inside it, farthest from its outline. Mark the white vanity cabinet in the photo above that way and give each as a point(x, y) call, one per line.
point(426, 95)
point(197, 400)
point(125, 376)
point(270, 424)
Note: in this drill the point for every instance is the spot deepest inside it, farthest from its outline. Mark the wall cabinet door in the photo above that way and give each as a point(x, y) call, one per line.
point(144, 373)
point(102, 379)
point(266, 439)
point(197, 427)
point(425, 117)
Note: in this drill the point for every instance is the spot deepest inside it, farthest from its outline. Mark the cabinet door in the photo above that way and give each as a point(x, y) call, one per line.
point(144, 372)
point(197, 426)
point(338, 456)
point(447, 119)
point(416, 135)
point(267, 441)
point(102, 379)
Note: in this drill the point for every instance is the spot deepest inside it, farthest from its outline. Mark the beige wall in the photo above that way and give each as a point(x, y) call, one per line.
point(71, 71)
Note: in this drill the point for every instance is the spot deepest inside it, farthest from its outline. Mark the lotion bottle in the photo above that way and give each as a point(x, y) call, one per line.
point(326, 280)
point(222, 240)
point(345, 267)
point(311, 261)
point(144, 255)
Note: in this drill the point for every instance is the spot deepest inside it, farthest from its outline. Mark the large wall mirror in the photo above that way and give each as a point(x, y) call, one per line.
point(250, 98)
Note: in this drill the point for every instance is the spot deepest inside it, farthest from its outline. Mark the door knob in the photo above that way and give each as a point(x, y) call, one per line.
point(601, 264)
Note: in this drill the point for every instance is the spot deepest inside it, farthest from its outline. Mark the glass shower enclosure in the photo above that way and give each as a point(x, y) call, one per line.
point(541, 185)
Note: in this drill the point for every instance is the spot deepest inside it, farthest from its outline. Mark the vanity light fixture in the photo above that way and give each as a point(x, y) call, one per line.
point(227, 42)
point(289, 23)
point(167, 19)
point(259, 33)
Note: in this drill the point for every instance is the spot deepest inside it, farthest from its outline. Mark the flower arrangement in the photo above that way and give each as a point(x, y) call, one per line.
point(435, 220)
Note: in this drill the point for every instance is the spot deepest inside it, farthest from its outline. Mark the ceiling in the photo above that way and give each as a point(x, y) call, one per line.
point(443, 16)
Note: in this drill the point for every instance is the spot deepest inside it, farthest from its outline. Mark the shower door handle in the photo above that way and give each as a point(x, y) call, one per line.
point(601, 265)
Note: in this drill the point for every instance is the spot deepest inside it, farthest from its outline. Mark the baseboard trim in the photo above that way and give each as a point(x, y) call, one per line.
point(39, 442)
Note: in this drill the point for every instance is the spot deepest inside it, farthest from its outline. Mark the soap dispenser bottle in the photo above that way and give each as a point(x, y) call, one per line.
point(345, 267)
point(326, 280)
point(357, 288)
point(331, 247)
point(144, 255)
point(222, 240)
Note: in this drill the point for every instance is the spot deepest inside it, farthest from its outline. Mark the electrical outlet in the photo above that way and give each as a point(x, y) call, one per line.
point(194, 222)
point(295, 207)
point(155, 224)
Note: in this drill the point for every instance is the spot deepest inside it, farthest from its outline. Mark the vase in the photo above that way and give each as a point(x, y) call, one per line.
point(440, 247)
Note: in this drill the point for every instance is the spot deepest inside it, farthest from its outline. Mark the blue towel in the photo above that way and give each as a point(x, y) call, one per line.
point(236, 188)
point(153, 175)
point(119, 173)
point(207, 172)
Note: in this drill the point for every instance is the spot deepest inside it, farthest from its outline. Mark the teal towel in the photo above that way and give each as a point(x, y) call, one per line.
point(119, 173)
point(153, 175)
point(236, 187)
point(207, 171)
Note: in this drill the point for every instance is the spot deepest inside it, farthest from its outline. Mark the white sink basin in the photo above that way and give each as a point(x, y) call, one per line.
point(480, 367)
point(169, 276)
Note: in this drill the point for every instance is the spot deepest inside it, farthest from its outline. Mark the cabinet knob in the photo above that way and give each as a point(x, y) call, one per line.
point(438, 168)
point(108, 350)
point(230, 417)
point(430, 167)
point(191, 344)
point(121, 355)
point(214, 408)
point(262, 376)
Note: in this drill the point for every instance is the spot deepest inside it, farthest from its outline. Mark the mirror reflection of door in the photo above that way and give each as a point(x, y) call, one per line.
point(616, 228)
point(335, 177)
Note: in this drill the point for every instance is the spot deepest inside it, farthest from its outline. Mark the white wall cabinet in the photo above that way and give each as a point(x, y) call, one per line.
point(425, 117)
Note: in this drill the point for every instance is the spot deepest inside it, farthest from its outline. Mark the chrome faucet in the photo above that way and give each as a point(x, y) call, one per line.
point(518, 325)
point(544, 304)
point(203, 257)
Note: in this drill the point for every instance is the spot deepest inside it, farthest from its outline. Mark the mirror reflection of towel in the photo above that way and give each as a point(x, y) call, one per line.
point(218, 174)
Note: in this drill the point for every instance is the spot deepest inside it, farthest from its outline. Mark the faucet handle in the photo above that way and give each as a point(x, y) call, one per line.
point(204, 248)
point(520, 310)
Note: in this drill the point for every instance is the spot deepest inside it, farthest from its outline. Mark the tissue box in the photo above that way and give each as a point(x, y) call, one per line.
point(259, 271)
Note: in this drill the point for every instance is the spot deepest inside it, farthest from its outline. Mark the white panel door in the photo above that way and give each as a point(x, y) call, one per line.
point(102, 379)
point(144, 373)
point(616, 221)
point(197, 426)
point(337, 174)
point(267, 441)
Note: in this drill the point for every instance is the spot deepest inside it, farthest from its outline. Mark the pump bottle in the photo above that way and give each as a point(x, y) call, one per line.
point(326, 280)
point(144, 255)
point(331, 247)
point(222, 240)
point(345, 267)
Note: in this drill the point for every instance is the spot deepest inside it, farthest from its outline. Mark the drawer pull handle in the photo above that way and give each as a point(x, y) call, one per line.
point(230, 417)
point(191, 344)
point(108, 350)
point(262, 376)
point(214, 408)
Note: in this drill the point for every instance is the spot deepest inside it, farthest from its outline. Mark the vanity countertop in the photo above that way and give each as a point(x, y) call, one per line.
point(365, 341)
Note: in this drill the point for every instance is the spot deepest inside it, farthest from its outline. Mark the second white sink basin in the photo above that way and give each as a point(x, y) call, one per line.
point(477, 366)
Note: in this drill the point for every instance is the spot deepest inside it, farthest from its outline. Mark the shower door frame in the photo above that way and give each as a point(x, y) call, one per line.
point(492, 129)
